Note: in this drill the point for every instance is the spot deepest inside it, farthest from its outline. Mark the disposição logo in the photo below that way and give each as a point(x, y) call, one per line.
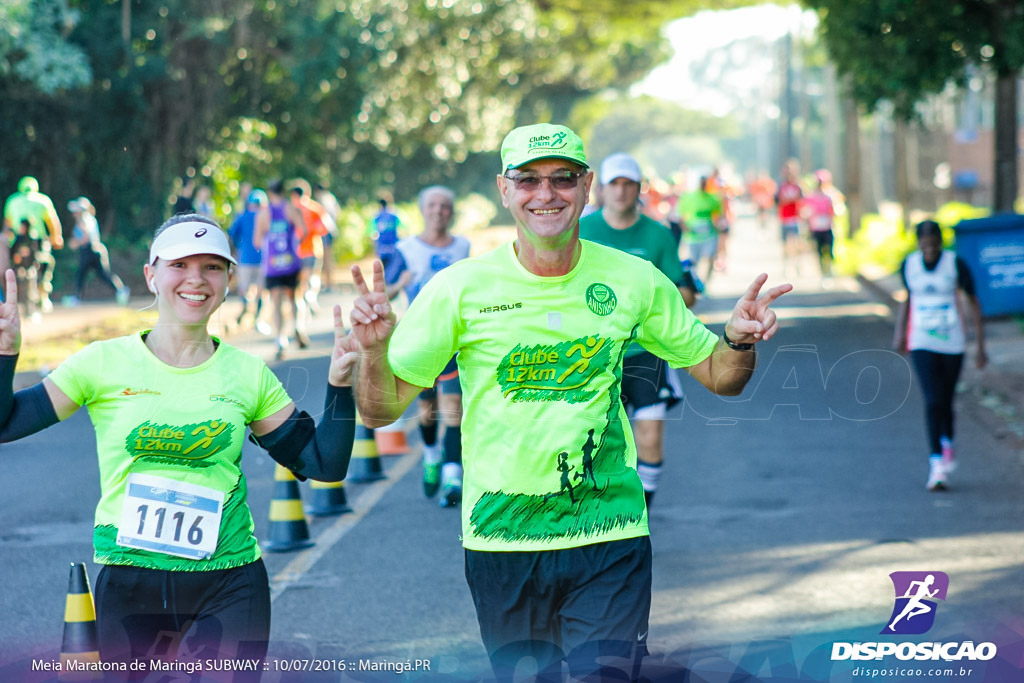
point(913, 613)
point(916, 594)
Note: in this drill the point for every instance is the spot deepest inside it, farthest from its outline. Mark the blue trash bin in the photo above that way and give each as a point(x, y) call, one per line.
point(993, 248)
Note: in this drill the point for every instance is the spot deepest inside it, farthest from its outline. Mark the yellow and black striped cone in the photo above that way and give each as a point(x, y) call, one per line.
point(288, 528)
point(328, 498)
point(365, 464)
point(79, 645)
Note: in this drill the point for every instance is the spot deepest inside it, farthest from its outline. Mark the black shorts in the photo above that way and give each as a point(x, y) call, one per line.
point(645, 382)
point(580, 605)
point(144, 614)
point(823, 239)
point(447, 382)
point(286, 281)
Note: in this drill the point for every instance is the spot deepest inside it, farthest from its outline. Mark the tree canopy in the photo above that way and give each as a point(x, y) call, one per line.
point(902, 52)
point(117, 98)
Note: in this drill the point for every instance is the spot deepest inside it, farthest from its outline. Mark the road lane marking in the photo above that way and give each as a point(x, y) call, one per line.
point(295, 570)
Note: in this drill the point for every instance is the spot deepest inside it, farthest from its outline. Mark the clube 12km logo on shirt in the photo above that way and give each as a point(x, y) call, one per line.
point(913, 613)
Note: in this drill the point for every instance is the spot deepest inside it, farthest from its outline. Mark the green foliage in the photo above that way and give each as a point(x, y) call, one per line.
point(900, 52)
point(241, 154)
point(473, 212)
point(353, 241)
point(951, 213)
point(890, 50)
point(34, 49)
point(355, 94)
point(882, 241)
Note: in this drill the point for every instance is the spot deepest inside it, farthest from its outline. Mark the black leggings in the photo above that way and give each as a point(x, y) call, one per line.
point(938, 374)
point(823, 240)
point(98, 260)
point(147, 614)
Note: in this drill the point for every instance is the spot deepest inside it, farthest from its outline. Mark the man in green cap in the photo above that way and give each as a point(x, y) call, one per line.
point(554, 524)
point(28, 203)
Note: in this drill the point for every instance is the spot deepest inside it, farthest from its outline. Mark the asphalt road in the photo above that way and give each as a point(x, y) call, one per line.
point(781, 515)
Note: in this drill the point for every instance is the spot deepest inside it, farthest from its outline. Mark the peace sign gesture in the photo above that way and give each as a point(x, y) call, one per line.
point(373, 321)
point(10, 321)
point(343, 355)
point(752, 318)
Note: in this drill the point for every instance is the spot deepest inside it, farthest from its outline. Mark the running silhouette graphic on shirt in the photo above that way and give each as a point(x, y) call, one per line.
point(565, 468)
point(589, 487)
point(916, 594)
point(588, 460)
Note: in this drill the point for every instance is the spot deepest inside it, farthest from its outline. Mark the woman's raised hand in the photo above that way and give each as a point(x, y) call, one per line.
point(10, 321)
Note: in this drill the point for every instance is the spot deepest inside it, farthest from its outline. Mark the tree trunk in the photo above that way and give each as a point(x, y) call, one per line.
point(852, 166)
point(1005, 178)
point(832, 127)
point(126, 29)
point(787, 99)
point(806, 160)
point(901, 163)
point(877, 163)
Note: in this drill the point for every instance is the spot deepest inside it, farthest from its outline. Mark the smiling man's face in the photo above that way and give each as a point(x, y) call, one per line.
point(544, 212)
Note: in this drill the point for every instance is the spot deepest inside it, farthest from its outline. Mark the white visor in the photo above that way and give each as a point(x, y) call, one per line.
point(188, 239)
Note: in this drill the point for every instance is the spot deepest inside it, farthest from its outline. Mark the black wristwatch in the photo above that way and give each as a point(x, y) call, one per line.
point(734, 346)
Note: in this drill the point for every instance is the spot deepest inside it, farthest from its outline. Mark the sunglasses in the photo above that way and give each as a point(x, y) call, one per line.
point(562, 180)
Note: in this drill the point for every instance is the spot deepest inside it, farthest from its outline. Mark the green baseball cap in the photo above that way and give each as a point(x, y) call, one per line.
point(28, 184)
point(541, 141)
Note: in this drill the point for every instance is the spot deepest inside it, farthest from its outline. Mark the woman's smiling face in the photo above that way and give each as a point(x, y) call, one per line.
point(190, 288)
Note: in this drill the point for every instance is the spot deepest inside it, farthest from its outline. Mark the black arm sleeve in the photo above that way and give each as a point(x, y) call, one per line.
point(7, 365)
point(965, 279)
point(320, 452)
point(23, 413)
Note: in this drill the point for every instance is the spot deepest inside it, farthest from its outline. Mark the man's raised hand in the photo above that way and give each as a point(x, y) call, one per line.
point(373, 321)
point(752, 318)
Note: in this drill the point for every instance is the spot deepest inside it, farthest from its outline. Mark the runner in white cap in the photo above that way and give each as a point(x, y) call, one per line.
point(170, 407)
point(649, 386)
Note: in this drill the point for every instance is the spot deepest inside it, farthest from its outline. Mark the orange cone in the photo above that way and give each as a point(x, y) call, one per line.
point(79, 646)
point(328, 498)
point(391, 441)
point(365, 464)
point(288, 528)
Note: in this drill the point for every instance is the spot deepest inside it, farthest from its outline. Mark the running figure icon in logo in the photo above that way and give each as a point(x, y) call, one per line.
point(916, 593)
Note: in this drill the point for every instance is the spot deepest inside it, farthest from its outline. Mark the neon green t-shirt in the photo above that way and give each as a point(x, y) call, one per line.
point(647, 239)
point(34, 206)
point(549, 458)
point(175, 435)
point(698, 209)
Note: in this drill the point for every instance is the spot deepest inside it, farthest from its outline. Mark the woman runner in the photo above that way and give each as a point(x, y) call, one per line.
point(170, 407)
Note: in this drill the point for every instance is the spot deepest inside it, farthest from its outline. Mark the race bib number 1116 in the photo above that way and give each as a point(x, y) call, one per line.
point(170, 517)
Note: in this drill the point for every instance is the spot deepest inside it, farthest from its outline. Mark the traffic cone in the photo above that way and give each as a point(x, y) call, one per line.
point(328, 498)
point(79, 643)
point(288, 528)
point(391, 440)
point(365, 464)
